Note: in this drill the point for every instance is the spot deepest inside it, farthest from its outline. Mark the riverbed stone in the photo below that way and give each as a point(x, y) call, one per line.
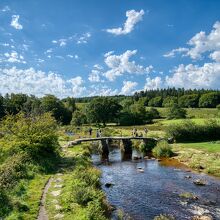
point(199, 182)
point(203, 217)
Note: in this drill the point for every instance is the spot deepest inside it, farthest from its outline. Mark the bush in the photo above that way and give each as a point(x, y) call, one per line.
point(35, 135)
point(175, 112)
point(154, 113)
point(188, 131)
point(148, 146)
point(163, 149)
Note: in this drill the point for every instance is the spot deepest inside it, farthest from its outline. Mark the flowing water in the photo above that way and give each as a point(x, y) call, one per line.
point(156, 190)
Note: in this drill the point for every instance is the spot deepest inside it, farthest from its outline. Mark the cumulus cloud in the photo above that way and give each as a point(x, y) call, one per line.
point(39, 83)
point(194, 76)
point(14, 22)
point(128, 87)
point(154, 83)
point(77, 86)
point(102, 90)
point(215, 56)
point(14, 57)
point(94, 76)
point(121, 64)
point(201, 43)
point(133, 17)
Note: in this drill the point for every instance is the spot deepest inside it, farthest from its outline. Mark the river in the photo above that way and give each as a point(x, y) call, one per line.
point(156, 190)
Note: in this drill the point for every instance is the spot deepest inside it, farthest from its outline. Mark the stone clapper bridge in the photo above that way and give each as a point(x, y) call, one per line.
point(125, 143)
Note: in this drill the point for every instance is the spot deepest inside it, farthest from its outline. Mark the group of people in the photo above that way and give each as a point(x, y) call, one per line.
point(135, 132)
point(98, 132)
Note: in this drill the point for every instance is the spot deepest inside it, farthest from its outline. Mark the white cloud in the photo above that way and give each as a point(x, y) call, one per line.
point(6, 8)
point(70, 56)
point(215, 56)
point(77, 86)
point(194, 76)
point(5, 44)
point(201, 43)
point(174, 51)
point(133, 17)
point(128, 87)
point(152, 84)
point(39, 83)
point(94, 76)
point(84, 38)
point(14, 57)
point(102, 90)
point(121, 64)
point(15, 23)
point(97, 66)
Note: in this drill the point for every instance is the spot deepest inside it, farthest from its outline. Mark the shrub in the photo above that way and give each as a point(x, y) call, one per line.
point(148, 146)
point(188, 131)
point(154, 113)
point(33, 134)
point(175, 112)
point(163, 149)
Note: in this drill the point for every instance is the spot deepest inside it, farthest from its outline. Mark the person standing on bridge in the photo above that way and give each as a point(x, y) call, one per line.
point(145, 132)
point(97, 133)
point(100, 133)
point(90, 131)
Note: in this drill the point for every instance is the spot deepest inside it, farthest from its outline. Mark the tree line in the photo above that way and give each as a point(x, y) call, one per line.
point(184, 98)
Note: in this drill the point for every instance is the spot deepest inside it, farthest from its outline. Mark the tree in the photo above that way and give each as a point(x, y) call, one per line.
point(189, 101)
point(102, 110)
point(78, 118)
point(2, 109)
point(176, 112)
point(70, 104)
point(156, 102)
point(14, 102)
point(50, 103)
point(209, 100)
point(169, 101)
point(34, 134)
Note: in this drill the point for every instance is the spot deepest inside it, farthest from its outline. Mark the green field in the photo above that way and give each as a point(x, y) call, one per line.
point(211, 147)
point(192, 112)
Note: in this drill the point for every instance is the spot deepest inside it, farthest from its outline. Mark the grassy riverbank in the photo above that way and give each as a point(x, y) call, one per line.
point(75, 192)
point(203, 157)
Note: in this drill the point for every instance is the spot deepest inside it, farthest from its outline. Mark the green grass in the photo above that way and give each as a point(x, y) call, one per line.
point(81, 197)
point(211, 147)
point(192, 112)
point(205, 155)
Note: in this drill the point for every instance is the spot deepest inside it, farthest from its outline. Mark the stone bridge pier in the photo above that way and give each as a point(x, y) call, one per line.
point(126, 149)
point(104, 146)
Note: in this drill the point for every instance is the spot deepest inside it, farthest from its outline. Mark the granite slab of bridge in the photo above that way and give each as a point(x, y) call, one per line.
point(104, 142)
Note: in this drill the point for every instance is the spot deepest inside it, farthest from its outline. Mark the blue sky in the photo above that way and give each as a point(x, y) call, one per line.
point(84, 48)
